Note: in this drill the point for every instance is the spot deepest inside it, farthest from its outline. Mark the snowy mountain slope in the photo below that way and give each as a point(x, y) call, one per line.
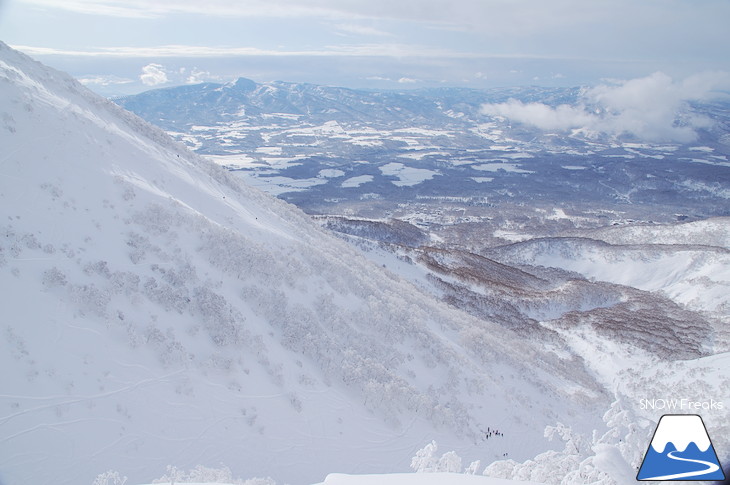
point(641, 304)
point(156, 311)
point(402, 479)
point(519, 297)
point(708, 232)
point(641, 345)
point(416, 479)
point(697, 386)
point(693, 275)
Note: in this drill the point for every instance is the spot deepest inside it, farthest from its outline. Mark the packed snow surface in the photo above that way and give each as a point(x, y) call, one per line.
point(416, 479)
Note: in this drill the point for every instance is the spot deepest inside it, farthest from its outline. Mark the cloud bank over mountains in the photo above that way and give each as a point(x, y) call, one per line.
point(153, 74)
point(371, 43)
point(652, 108)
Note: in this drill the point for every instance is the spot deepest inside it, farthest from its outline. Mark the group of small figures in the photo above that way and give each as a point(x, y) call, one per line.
point(491, 432)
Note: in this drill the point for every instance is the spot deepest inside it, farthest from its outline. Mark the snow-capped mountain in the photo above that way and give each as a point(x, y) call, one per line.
point(244, 99)
point(157, 311)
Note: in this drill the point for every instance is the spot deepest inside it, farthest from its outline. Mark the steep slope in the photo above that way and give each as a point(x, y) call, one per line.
point(156, 311)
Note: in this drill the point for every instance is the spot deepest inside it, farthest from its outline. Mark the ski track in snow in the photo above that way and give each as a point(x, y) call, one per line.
point(58, 400)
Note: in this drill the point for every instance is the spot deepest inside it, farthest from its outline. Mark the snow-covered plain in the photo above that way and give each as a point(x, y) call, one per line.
point(407, 176)
point(357, 181)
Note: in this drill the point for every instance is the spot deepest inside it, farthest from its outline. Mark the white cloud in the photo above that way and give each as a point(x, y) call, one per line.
point(561, 118)
point(218, 8)
point(356, 29)
point(350, 50)
point(407, 80)
point(652, 108)
point(452, 11)
point(97, 7)
point(527, 16)
point(197, 76)
point(104, 80)
point(524, 28)
point(153, 75)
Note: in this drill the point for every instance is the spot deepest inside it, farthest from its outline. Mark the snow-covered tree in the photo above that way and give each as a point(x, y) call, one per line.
point(426, 461)
point(110, 477)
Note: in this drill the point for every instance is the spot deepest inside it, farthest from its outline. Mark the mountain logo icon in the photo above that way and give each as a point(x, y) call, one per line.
point(680, 450)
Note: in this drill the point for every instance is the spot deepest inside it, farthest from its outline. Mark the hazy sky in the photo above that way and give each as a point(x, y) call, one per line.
point(118, 46)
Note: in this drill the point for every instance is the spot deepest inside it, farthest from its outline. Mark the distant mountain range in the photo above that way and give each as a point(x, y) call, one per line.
point(245, 100)
point(340, 151)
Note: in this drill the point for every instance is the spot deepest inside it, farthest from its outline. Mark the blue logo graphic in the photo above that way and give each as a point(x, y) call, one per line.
point(680, 450)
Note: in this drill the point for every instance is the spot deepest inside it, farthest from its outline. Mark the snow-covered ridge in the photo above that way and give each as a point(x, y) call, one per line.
point(693, 275)
point(709, 232)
